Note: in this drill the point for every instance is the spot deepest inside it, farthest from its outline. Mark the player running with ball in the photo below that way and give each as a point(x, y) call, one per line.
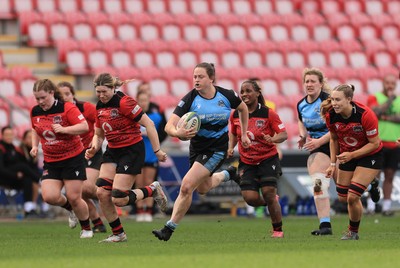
point(208, 146)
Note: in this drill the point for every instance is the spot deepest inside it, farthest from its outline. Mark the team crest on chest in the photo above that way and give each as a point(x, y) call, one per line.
point(221, 103)
point(114, 113)
point(259, 123)
point(57, 119)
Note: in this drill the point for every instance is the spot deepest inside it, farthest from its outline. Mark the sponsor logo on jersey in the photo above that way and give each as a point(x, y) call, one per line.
point(126, 167)
point(357, 128)
point(221, 103)
point(281, 126)
point(181, 103)
point(81, 117)
point(77, 173)
point(373, 162)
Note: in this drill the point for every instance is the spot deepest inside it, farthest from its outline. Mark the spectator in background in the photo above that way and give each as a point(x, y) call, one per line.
point(386, 106)
point(150, 169)
point(155, 108)
point(118, 120)
point(15, 172)
point(356, 146)
point(26, 147)
point(89, 190)
point(259, 165)
point(57, 126)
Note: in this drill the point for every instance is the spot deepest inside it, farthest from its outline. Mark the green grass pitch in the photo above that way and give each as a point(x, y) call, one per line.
point(204, 241)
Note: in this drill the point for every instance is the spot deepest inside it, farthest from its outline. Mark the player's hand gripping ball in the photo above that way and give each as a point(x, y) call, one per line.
point(188, 121)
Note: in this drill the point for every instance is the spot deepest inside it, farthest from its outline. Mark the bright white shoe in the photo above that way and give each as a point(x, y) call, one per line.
point(115, 238)
point(160, 197)
point(148, 217)
point(72, 220)
point(86, 234)
point(140, 217)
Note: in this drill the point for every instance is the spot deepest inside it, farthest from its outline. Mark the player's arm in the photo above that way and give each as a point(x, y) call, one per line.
point(35, 143)
point(181, 132)
point(244, 121)
point(97, 142)
point(302, 134)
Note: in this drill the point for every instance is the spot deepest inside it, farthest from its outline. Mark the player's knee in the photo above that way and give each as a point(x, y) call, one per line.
point(342, 192)
point(104, 183)
point(355, 190)
point(118, 197)
point(321, 185)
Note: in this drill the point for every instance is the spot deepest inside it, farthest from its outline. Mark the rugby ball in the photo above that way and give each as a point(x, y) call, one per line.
point(189, 120)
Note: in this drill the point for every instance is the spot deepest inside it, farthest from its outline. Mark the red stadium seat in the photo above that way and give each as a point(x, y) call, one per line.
point(143, 57)
point(353, 6)
point(46, 6)
point(92, 5)
point(256, 30)
point(220, 6)
point(76, 61)
point(24, 6)
point(275, 58)
point(235, 30)
point(9, 83)
point(178, 7)
point(7, 10)
point(242, 7)
point(157, 6)
point(4, 113)
point(331, 6)
point(81, 28)
point(199, 7)
point(68, 6)
point(383, 58)
point(113, 6)
point(57, 26)
point(393, 8)
point(135, 6)
point(124, 28)
point(308, 6)
point(26, 85)
point(103, 28)
point(373, 7)
point(284, 7)
point(38, 35)
point(119, 56)
point(190, 28)
point(185, 55)
point(63, 46)
point(263, 7)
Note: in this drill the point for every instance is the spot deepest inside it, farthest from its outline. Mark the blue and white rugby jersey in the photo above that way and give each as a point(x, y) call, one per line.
point(309, 114)
point(214, 115)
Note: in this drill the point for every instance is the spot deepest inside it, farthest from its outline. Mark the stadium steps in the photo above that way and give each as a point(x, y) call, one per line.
point(37, 67)
point(86, 95)
point(56, 78)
